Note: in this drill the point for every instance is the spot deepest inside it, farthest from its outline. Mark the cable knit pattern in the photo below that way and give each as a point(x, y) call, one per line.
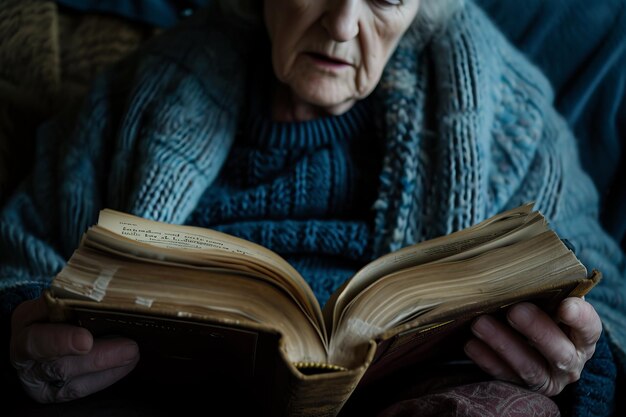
point(467, 124)
point(303, 190)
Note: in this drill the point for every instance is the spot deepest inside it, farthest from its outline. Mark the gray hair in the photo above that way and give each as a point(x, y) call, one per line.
point(431, 17)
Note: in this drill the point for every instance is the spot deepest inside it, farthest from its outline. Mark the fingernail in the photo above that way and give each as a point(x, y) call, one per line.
point(520, 315)
point(470, 348)
point(483, 327)
point(129, 352)
point(81, 341)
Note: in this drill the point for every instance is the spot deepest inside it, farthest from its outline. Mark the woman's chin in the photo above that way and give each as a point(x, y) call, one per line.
point(337, 109)
point(334, 104)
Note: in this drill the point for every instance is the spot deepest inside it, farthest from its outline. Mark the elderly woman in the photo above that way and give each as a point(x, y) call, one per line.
point(331, 131)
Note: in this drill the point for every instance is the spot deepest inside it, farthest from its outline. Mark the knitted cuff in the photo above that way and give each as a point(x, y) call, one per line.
point(594, 394)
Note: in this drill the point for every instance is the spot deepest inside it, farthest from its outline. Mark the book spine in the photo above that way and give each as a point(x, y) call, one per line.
point(320, 394)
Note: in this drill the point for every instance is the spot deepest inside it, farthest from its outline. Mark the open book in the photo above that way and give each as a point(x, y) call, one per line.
point(151, 280)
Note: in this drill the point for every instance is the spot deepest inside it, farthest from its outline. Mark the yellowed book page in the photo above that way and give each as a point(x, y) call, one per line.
point(439, 286)
point(493, 278)
point(193, 292)
point(208, 260)
point(424, 252)
point(197, 239)
point(189, 237)
point(106, 241)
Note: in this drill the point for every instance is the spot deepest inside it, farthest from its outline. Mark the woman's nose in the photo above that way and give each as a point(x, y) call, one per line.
point(341, 19)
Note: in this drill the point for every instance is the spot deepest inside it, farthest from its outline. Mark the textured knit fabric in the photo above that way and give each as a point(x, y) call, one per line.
point(161, 13)
point(47, 61)
point(467, 125)
point(590, 396)
point(581, 47)
point(303, 190)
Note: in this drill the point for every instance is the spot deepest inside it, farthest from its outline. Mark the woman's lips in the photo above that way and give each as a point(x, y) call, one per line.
point(327, 61)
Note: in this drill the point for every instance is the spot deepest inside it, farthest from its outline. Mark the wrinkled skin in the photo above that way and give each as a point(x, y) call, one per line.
point(533, 349)
point(59, 362)
point(328, 54)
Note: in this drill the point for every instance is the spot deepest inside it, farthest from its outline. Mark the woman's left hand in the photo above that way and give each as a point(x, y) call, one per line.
point(537, 351)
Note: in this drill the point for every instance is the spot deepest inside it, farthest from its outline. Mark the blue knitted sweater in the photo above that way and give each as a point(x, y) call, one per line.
point(467, 126)
point(301, 189)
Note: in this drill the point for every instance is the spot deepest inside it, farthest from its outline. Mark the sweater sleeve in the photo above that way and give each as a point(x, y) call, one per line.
point(575, 214)
point(139, 144)
point(33, 242)
point(579, 45)
point(148, 139)
point(597, 250)
point(32, 238)
point(578, 183)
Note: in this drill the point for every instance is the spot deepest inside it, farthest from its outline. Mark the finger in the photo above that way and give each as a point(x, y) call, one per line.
point(29, 312)
point(48, 341)
point(78, 387)
point(513, 349)
point(88, 384)
point(105, 354)
point(547, 337)
point(584, 324)
point(490, 362)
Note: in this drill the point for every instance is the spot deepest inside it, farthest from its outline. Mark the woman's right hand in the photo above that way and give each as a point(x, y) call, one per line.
point(59, 362)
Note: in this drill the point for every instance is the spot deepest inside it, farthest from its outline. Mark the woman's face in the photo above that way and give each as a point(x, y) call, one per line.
point(332, 52)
